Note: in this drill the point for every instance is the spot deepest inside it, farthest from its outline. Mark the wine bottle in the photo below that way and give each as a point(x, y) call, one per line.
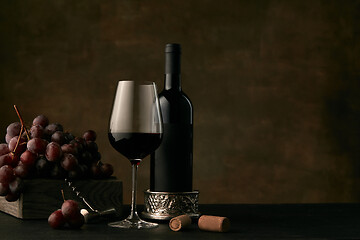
point(171, 164)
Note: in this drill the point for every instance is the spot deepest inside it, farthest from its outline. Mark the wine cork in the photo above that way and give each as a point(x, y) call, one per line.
point(179, 222)
point(214, 223)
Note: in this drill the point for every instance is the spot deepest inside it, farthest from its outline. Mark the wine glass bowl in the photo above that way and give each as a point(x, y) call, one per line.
point(135, 130)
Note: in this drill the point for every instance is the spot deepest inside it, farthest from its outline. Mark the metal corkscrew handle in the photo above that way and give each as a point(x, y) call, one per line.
point(94, 214)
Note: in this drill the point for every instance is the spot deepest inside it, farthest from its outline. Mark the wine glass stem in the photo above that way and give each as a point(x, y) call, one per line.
point(133, 213)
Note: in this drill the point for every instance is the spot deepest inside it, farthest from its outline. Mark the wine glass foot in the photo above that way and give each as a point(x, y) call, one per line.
point(134, 224)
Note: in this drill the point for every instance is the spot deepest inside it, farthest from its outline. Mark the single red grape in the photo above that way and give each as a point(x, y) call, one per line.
point(52, 128)
point(22, 170)
point(107, 170)
point(43, 167)
point(90, 135)
point(68, 137)
point(6, 174)
point(16, 186)
point(41, 120)
point(13, 129)
point(37, 131)
point(5, 160)
point(69, 148)
point(53, 152)
point(76, 221)
point(56, 220)
point(70, 209)
point(37, 145)
point(58, 137)
point(96, 171)
point(28, 158)
point(4, 149)
point(8, 138)
point(69, 162)
point(79, 147)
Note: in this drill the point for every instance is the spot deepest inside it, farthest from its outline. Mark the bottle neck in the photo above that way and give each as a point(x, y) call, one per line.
point(172, 67)
point(173, 82)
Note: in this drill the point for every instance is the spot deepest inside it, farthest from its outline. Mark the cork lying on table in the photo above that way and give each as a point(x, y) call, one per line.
point(179, 222)
point(214, 223)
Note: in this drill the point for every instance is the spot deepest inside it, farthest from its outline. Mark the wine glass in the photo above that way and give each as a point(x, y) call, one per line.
point(135, 131)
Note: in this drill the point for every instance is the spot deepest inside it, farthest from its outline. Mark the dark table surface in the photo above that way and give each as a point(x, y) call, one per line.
point(274, 221)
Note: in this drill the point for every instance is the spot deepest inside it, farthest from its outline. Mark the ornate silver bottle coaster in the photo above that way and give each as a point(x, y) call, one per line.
point(166, 205)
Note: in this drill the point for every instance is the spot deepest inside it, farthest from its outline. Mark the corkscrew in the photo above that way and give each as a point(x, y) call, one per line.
point(94, 214)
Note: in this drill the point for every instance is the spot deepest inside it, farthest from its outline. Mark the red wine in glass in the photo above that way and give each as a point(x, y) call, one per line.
point(135, 146)
point(135, 131)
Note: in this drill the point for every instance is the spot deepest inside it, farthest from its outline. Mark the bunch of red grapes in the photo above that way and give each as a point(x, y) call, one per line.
point(46, 151)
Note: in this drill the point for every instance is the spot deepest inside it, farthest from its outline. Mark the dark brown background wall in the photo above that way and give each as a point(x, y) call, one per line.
point(275, 85)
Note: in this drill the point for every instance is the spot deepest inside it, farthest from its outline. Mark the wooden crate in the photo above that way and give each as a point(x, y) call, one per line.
point(43, 196)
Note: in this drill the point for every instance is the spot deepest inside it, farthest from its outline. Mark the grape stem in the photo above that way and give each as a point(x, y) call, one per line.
point(18, 140)
point(22, 123)
point(62, 193)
